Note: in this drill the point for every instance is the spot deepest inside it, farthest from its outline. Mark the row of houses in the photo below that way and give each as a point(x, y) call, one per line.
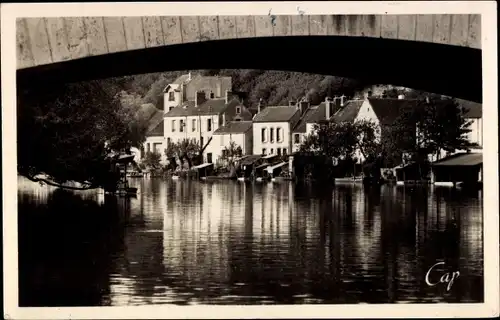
point(205, 110)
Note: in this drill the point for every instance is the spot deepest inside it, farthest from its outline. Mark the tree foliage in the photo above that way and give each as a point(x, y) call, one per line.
point(65, 133)
point(185, 150)
point(152, 160)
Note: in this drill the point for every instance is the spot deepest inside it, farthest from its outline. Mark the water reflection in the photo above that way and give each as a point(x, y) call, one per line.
point(234, 243)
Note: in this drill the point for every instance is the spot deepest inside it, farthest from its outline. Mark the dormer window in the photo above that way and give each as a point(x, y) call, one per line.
point(238, 110)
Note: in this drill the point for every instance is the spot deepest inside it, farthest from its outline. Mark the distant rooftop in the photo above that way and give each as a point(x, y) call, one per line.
point(209, 107)
point(276, 114)
point(234, 127)
point(348, 112)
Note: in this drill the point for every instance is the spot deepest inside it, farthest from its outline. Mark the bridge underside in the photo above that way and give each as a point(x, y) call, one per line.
point(443, 69)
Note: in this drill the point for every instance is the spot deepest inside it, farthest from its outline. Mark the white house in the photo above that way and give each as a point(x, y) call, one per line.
point(384, 111)
point(238, 132)
point(312, 116)
point(185, 88)
point(272, 128)
point(197, 120)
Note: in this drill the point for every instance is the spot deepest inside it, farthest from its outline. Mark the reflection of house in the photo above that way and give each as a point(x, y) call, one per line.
point(200, 118)
point(272, 128)
point(239, 132)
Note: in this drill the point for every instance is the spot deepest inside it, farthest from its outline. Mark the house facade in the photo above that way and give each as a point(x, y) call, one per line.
point(313, 116)
point(198, 120)
point(272, 128)
point(186, 87)
point(238, 132)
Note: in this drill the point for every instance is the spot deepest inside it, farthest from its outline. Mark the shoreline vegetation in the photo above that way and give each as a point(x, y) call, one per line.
point(66, 132)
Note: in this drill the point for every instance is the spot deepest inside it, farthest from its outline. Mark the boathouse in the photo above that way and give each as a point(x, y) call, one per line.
point(464, 168)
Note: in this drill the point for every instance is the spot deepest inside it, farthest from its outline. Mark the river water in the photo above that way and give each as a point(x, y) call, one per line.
point(227, 242)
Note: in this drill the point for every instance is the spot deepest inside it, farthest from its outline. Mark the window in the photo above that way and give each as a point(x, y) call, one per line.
point(171, 96)
point(193, 125)
point(156, 147)
point(170, 108)
point(239, 119)
point(296, 138)
point(263, 135)
point(173, 125)
point(284, 151)
point(212, 95)
point(271, 134)
point(148, 148)
point(209, 124)
point(201, 142)
point(279, 137)
point(278, 152)
point(271, 151)
point(181, 125)
point(238, 110)
point(263, 150)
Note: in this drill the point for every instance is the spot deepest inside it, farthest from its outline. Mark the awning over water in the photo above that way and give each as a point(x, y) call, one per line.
point(269, 156)
point(203, 165)
point(463, 159)
point(272, 168)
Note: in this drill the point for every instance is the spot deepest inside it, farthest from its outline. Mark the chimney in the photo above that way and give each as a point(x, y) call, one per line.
point(427, 100)
point(260, 106)
point(189, 76)
point(199, 98)
point(229, 96)
point(342, 100)
point(292, 103)
point(303, 106)
point(369, 94)
point(224, 119)
point(328, 104)
point(401, 96)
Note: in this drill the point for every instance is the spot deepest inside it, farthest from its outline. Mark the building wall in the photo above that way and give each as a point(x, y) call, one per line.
point(284, 143)
point(367, 113)
point(476, 134)
point(221, 141)
point(216, 85)
point(167, 103)
point(155, 144)
point(189, 132)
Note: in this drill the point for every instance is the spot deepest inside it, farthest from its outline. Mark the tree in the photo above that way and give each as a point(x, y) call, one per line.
point(65, 134)
point(186, 149)
point(152, 160)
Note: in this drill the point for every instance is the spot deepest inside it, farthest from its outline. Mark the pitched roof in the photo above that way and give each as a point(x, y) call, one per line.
point(234, 127)
point(180, 80)
point(349, 112)
point(153, 118)
point(474, 110)
point(276, 114)
point(388, 110)
point(156, 131)
point(313, 114)
point(461, 159)
point(209, 107)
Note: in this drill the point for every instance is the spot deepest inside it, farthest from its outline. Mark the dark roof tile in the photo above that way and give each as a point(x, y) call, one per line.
point(349, 112)
point(209, 107)
point(234, 127)
point(276, 114)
